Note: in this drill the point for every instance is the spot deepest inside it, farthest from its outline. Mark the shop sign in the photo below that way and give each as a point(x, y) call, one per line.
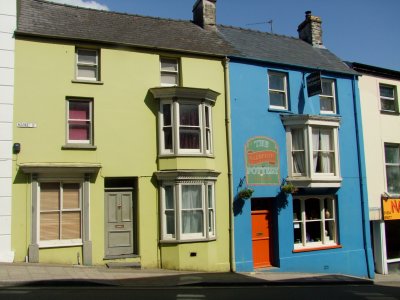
point(314, 84)
point(391, 208)
point(262, 161)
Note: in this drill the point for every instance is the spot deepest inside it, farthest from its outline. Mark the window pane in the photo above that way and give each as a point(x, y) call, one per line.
point(296, 210)
point(298, 151)
point(71, 225)
point(79, 131)
point(277, 99)
point(189, 114)
point(192, 221)
point(387, 104)
point(169, 197)
point(392, 154)
point(71, 196)
point(210, 196)
point(189, 138)
point(330, 231)
point(207, 111)
point(87, 56)
point(326, 104)
point(169, 64)
point(49, 226)
point(169, 79)
point(328, 208)
point(167, 114)
point(393, 179)
point(49, 196)
point(167, 138)
point(170, 222)
point(386, 91)
point(327, 87)
point(276, 82)
point(323, 151)
point(191, 196)
point(313, 232)
point(312, 209)
point(79, 110)
point(87, 72)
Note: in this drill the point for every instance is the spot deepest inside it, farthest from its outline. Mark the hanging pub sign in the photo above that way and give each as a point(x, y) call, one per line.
point(262, 161)
point(314, 85)
point(391, 208)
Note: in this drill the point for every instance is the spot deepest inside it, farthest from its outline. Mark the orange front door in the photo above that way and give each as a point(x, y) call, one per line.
point(262, 247)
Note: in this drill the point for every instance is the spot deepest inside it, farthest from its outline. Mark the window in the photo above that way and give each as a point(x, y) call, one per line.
point(80, 122)
point(169, 71)
point(388, 97)
point(188, 210)
point(60, 211)
point(314, 222)
point(87, 64)
point(313, 150)
point(277, 90)
point(327, 96)
point(392, 163)
point(185, 120)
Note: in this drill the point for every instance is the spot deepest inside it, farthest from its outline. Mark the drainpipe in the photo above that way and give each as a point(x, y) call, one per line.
point(363, 186)
point(229, 155)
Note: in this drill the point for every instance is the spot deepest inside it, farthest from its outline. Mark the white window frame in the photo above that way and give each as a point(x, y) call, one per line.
point(310, 178)
point(208, 231)
point(387, 164)
point(86, 64)
point(169, 72)
point(331, 97)
point(300, 222)
point(60, 242)
point(206, 132)
point(90, 121)
point(284, 91)
point(384, 98)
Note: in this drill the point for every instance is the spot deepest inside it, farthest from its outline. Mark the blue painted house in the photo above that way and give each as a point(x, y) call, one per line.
point(297, 143)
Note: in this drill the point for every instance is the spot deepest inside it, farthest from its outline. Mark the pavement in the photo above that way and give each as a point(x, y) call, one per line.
point(36, 274)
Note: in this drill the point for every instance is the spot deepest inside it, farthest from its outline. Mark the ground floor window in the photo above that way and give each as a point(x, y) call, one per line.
point(188, 210)
point(314, 221)
point(392, 232)
point(60, 215)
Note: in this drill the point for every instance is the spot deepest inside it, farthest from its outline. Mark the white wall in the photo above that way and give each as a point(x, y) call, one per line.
point(378, 128)
point(8, 11)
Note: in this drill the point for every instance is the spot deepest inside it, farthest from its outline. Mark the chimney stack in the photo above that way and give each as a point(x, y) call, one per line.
point(204, 14)
point(310, 30)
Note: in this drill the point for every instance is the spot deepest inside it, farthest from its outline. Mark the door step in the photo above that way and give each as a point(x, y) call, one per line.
point(133, 265)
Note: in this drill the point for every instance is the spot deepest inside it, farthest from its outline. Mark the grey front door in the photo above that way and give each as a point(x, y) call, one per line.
point(119, 223)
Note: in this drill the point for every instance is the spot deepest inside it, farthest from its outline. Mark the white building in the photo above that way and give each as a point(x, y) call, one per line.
point(379, 96)
point(8, 18)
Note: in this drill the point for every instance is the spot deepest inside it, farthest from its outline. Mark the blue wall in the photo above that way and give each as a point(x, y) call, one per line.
point(251, 117)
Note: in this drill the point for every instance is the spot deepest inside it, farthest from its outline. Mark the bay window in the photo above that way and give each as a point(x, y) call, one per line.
point(314, 222)
point(313, 151)
point(185, 120)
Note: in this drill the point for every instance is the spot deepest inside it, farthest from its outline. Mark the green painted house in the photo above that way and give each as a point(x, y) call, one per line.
point(120, 150)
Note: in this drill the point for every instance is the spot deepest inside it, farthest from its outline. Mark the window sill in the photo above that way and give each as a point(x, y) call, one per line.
point(389, 112)
point(323, 182)
point(173, 155)
point(323, 247)
point(278, 110)
point(87, 81)
point(188, 241)
point(78, 147)
point(60, 243)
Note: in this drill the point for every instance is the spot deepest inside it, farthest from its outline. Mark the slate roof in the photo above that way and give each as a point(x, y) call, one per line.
point(46, 19)
point(281, 49)
point(37, 17)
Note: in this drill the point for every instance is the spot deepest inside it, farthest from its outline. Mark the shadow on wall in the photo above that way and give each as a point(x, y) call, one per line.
point(281, 203)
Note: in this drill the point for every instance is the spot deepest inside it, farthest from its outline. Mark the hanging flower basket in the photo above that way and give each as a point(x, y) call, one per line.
point(288, 188)
point(246, 193)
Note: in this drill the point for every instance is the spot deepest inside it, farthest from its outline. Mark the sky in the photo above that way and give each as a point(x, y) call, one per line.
point(363, 31)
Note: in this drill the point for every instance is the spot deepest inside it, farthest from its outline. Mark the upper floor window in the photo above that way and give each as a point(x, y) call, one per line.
point(79, 121)
point(185, 122)
point(87, 64)
point(277, 89)
point(169, 71)
point(314, 222)
point(60, 212)
point(388, 96)
point(313, 152)
point(327, 97)
point(392, 163)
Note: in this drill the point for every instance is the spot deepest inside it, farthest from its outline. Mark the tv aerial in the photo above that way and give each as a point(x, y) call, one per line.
point(266, 22)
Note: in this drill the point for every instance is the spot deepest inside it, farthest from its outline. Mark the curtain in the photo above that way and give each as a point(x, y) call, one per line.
point(189, 131)
point(325, 145)
point(298, 153)
point(315, 141)
point(192, 209)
